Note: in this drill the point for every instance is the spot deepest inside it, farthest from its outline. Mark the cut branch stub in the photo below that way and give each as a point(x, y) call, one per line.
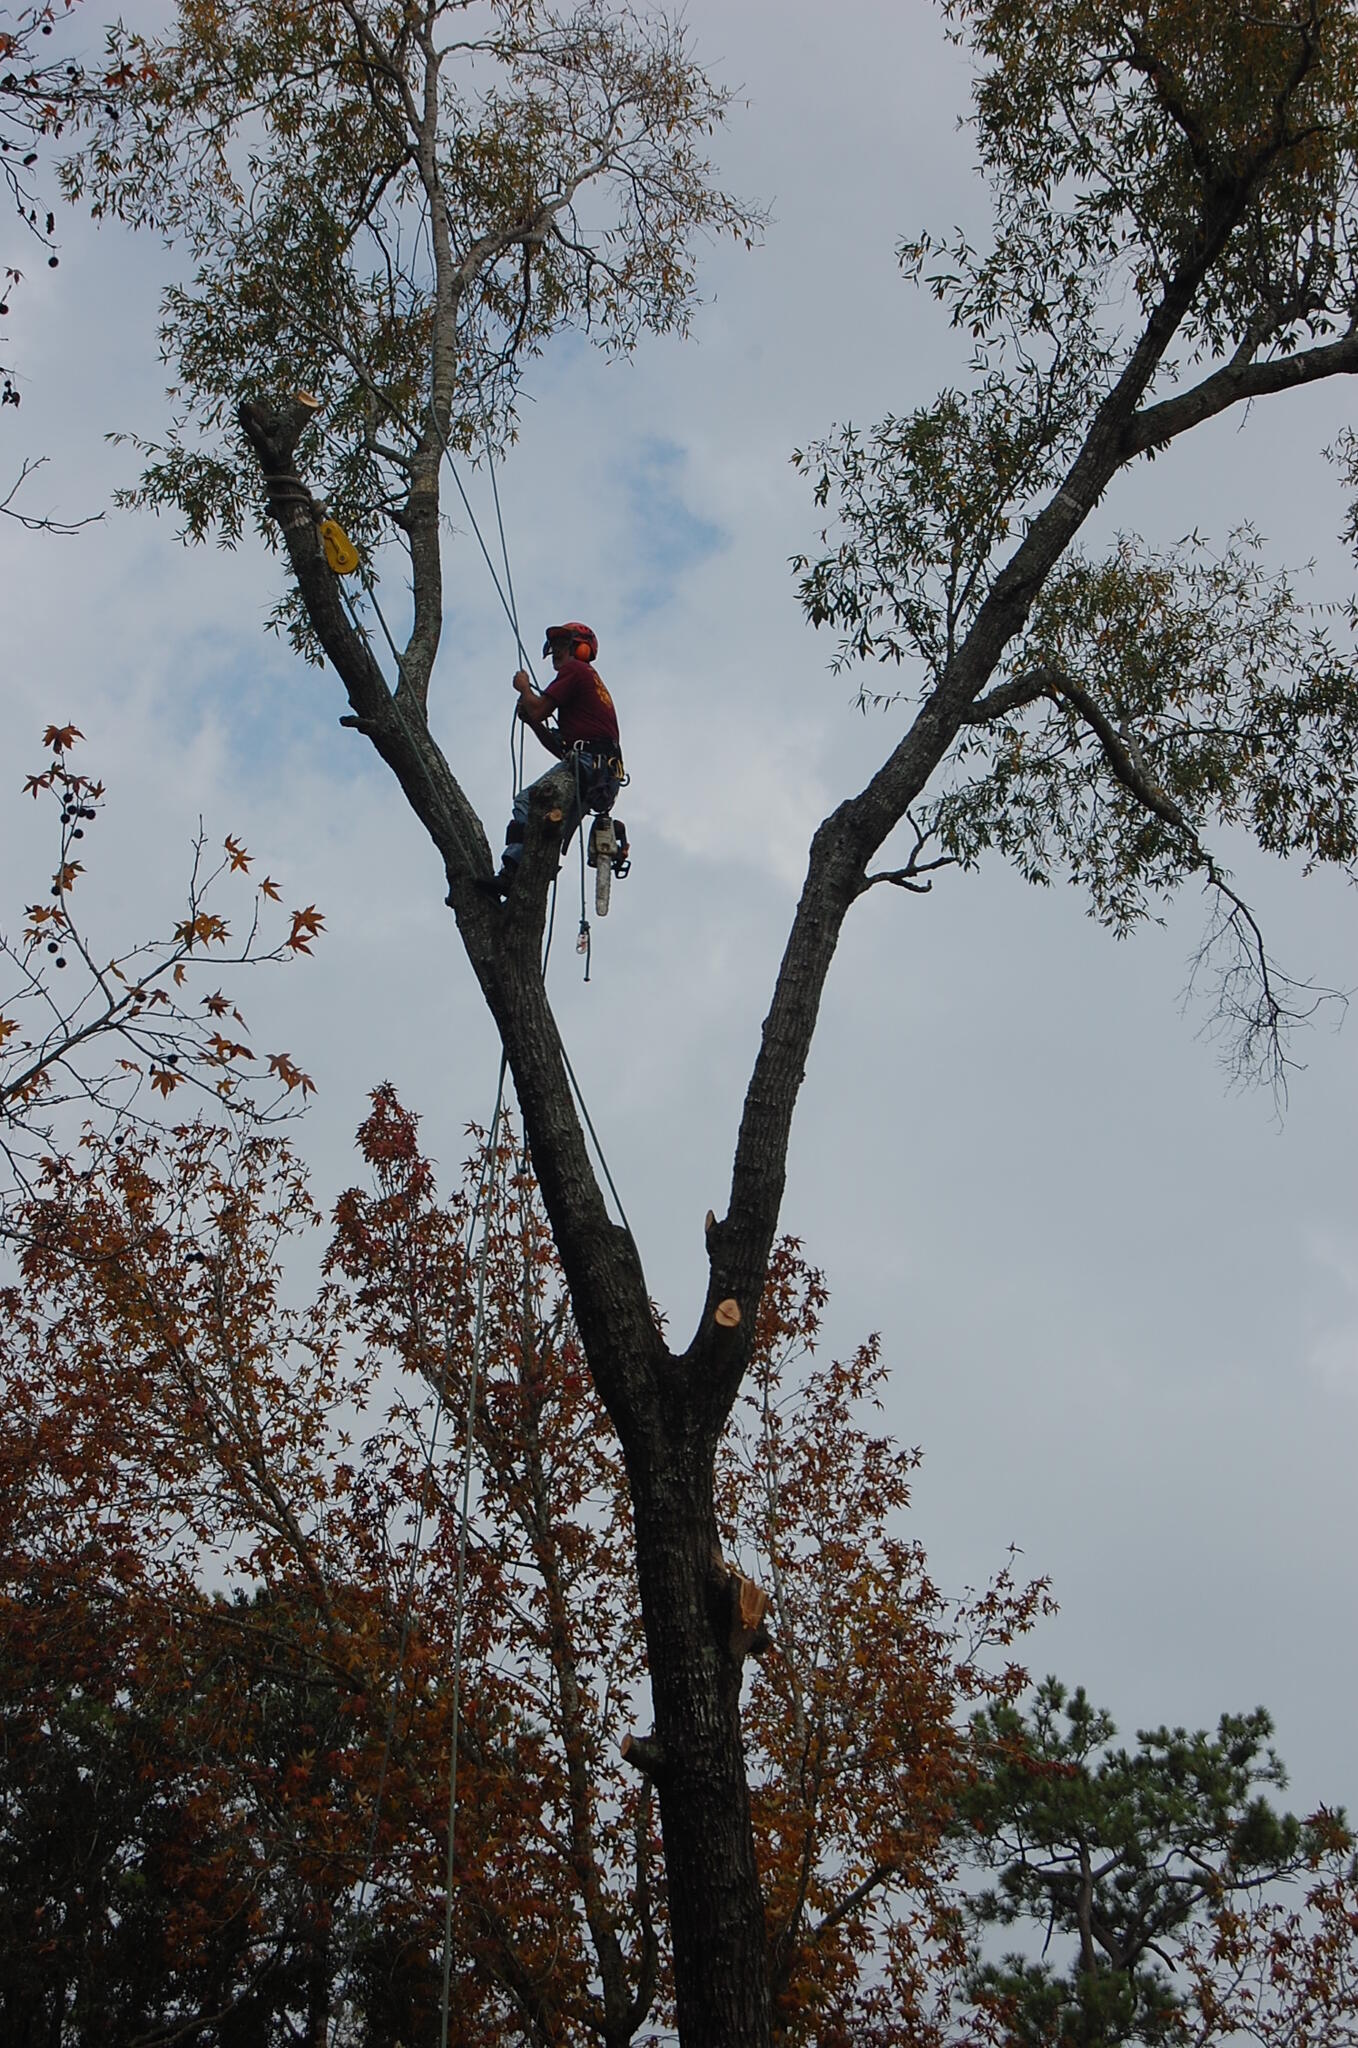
point(726, 1315)
point(749, 1605)
point(644, 1754)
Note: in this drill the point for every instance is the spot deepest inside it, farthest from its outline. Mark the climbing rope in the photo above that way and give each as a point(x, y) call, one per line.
point(481, 1204)
point(464, 1522)
point(481, 1209)
point(583, 942)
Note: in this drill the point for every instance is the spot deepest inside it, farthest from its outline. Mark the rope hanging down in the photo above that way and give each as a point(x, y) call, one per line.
point(464, 1521)
point(481, 1205)
point(339, 551)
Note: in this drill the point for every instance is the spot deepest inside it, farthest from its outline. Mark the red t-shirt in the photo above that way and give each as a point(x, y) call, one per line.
point(583, 707)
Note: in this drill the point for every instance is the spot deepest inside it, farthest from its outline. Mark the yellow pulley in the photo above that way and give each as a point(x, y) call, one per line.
point(340, 551)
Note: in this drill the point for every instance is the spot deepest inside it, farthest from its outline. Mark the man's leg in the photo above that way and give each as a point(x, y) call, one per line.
point(518, 824)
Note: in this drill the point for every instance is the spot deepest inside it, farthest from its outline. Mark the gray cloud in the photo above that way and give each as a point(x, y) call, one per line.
point(1118, 1300)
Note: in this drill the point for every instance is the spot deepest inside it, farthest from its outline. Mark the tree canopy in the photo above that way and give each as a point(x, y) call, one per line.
point(1166, 1869)
point(387, 209)
point(229, 1604)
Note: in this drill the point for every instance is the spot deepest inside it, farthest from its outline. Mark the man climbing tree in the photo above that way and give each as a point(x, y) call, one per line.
point(1174, 226)
point(585, 737)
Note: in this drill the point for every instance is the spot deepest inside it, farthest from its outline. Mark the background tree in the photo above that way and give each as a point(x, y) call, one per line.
point(43, 92)
point(224, 1813)
point(38, 95)
point(107, 1037)
point(1173, 196)
point(1163, 1867)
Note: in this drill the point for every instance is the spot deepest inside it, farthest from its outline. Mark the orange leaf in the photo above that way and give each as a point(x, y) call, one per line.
point(59, 737)
point(206, 926)
point(290, 1074)
point(305, 926)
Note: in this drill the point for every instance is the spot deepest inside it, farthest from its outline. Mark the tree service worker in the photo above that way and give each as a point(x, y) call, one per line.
point(585, 737)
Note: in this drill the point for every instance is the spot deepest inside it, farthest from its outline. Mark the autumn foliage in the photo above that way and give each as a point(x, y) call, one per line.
point(230, 1522)
point(110, 1028)
point(228, 1571)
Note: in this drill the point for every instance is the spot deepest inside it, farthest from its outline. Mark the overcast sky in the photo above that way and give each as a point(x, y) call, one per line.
point(1120, 1301)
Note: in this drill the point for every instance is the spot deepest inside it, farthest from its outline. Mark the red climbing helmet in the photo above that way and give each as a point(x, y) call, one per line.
point(584, 644)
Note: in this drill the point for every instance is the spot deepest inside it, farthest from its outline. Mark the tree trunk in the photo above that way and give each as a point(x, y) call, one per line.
point(669, 1411)
point(697, 1758)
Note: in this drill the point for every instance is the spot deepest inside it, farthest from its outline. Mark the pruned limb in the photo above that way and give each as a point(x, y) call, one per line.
point(644, 1754)
point(749, 1604)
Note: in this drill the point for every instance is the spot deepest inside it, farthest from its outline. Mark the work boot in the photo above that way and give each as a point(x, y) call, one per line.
point(500, 883)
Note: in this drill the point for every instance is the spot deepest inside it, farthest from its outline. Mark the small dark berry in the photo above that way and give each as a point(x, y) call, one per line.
point(60, 960)
point(52, 262)
point(79, 832)
point(51, 945)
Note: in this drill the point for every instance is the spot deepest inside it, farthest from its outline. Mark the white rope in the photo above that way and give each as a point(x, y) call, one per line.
point(506, 596)
point(460, 1604)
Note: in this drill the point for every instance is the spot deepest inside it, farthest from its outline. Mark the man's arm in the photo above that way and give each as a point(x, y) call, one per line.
point(535, 710)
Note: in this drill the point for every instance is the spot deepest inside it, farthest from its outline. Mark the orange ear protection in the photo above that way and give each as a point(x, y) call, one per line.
point(583, 643)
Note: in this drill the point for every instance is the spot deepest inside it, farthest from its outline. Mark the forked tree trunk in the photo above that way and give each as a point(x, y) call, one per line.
point(669, 1410)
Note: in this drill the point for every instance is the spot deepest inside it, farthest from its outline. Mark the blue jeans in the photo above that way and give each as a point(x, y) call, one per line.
point(593, 788)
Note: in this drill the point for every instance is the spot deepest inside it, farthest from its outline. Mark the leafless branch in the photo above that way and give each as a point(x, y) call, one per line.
point(40, 522)
point(909, 876)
